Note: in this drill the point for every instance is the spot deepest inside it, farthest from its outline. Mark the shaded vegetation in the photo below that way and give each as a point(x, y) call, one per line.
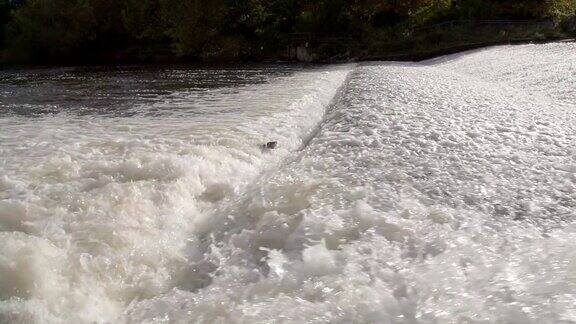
point(41, 31)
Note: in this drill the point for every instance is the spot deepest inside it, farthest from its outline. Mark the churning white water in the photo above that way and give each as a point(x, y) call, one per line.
point(434, 192)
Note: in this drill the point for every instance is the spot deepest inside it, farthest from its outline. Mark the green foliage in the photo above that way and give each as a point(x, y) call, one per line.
point(142, 19)
point(48, 30)
point(5, 10)
point(558, 9)
point(44, 27)
point(193, 25)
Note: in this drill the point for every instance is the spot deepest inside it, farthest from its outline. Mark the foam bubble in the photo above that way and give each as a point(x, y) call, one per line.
point(99, 213)
point(435, 192)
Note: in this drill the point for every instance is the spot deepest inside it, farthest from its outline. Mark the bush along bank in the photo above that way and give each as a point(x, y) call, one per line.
point(111, 31)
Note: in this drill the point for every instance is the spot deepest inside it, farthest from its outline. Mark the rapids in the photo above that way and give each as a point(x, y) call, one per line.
point(432, 192)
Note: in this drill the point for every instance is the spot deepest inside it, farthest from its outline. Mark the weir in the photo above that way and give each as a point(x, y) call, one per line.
point(397, 192)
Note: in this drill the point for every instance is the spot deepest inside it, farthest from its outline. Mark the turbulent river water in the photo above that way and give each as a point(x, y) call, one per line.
point(432, 192)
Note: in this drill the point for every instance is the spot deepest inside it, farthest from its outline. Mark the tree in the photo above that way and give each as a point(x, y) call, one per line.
point(51, 28)
point(192, 25)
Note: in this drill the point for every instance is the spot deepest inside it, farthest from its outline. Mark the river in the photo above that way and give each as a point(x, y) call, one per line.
point(433, 192)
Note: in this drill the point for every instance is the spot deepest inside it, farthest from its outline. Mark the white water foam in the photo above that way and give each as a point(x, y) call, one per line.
point(434, 192)
point(96, 213)
point(429, 196)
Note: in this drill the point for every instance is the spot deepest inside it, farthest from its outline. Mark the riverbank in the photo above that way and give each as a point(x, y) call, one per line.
point(426, 55)
point(420, 44)
point(402, 57)
point(452, 37)
point(126, 31)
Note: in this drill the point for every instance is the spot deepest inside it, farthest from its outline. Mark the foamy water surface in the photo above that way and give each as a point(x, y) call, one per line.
point(433, 192)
